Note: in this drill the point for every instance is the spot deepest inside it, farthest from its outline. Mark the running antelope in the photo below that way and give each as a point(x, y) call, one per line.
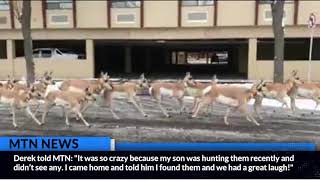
point(277, 91)
point(305, 90)
point(19, 100)
point(236, 98)
point(71, 101)
point(96, 87)
point(41, 86)
point(129, 89)
point(176, 90)
point(196, 90)
point(9, 84)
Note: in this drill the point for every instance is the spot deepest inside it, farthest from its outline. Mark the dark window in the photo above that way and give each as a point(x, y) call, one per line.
point(316, 49)
point(295, 49)
point(3, 49)
point(125, 4)
point(59, 4)
point(265, 49)
point(4, 5)
point(197, 2)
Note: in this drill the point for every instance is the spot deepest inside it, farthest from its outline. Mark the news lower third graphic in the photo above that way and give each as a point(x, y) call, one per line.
point(64, 143)
point(103, 157)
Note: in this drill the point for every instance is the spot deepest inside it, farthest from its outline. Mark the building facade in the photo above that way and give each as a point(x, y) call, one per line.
point(205, 36)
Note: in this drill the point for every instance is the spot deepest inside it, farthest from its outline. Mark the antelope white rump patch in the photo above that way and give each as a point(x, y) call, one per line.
point(166, 92)
point(6, 100)
point(306, 93)
point(51, 88)
point(60, 102)
point(74, 89)
point(150, 90)
point(227, 100)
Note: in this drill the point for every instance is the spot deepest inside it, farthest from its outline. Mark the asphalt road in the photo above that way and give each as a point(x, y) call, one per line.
point(278, 125)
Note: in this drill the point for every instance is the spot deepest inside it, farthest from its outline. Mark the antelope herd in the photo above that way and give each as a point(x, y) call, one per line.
point(75, 96)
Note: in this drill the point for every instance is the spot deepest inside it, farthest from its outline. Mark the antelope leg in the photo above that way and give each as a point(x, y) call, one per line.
point(13, 110)
point(194, 104)
point(226, 116)
point(284, 103)
point(181, 105)
point(133, 101)
point(202, 102)
point(253, 119)
point(138, 100)
point(81, 117)
point(47, 107)
point(293, 104)
point(37, 109)
point(257, 107)
point(113, 113)
point(162, 109)
point(67, 117)
point(317, 100)
point(28, 111)
point(85, 106)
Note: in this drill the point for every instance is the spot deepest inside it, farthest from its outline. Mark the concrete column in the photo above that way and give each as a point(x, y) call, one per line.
point(243, 57)
point(11, 53)
point(90, 57)
point(127, 60)
point(252, 59)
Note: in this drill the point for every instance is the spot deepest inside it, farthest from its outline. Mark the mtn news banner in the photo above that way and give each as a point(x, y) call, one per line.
point(103, 157)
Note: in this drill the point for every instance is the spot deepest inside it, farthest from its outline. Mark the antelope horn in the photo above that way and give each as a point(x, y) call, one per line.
point(294, 72)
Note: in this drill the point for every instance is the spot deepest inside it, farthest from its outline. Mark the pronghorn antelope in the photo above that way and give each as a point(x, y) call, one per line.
point(19, 100)
point(196, 90)
point(277, 91)
point(129, 89)
point(71, 101)
point(9, 84)
point(41, 86)
point(96, 87)
point(235, 98)
point(176, 90)
point(305, 90)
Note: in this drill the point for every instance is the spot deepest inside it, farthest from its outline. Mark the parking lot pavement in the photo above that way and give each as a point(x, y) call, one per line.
point(278, 124)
